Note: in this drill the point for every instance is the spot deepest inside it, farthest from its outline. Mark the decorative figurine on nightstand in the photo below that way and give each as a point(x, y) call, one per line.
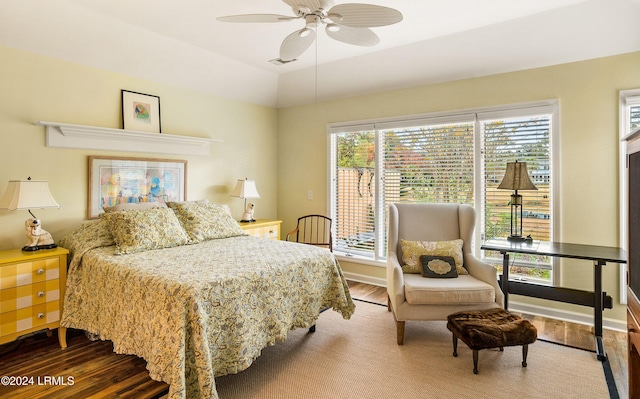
point(39, 238)
point(247, 216)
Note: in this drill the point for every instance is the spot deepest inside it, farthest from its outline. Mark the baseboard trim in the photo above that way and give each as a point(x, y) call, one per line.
point(558, 314)
point(565, 315)
point(362, 278)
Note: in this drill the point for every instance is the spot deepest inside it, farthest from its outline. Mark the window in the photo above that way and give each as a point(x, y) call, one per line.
point(455, 157)
point(526, 139)
point(629, 109)
point(629, 121)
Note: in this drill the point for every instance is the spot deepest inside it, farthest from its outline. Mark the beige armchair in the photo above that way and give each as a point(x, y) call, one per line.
point(413, 297)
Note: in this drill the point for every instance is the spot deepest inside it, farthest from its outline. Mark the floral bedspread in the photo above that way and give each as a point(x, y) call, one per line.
point(195, 312)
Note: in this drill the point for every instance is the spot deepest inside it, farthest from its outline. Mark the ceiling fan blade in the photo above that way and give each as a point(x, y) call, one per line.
point(256, 18)
point(363, 15)
point(296, 43)
point(357, 36)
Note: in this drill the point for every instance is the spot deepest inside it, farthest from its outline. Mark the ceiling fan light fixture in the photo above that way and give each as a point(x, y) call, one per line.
point(304, 32)
point(333, 27)
point(335, 17)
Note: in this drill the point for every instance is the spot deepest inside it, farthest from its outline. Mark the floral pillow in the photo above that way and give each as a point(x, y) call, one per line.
point(413, 250)
point(95, 233)
point(206, 221)
point(142, 230)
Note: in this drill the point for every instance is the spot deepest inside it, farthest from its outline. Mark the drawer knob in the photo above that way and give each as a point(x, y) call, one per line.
point(40, 271)
point(40, 315)
point(40, 294)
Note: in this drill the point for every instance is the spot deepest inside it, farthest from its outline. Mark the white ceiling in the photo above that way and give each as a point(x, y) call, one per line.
point(182, 43)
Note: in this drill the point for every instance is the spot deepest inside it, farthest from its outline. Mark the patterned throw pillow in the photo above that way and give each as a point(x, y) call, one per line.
point(142, 230)
point(438, 266)
point(206, 221)
point(413, 250)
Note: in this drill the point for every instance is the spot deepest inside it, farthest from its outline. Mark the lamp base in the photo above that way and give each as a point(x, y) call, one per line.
point(38, 247)
point(515, 238)
point(248, 221)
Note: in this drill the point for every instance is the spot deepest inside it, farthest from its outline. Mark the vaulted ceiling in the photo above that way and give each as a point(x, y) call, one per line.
point(181, 42)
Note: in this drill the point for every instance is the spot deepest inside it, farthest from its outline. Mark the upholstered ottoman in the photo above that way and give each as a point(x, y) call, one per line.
point(493, 328)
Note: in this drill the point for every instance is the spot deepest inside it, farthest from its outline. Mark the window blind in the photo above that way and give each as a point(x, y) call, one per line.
point(457, 157)
point(525, 139)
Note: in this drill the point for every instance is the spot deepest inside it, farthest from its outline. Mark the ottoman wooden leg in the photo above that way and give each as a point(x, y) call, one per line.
point(455, 345)
point(475, 361)
point(525, 350)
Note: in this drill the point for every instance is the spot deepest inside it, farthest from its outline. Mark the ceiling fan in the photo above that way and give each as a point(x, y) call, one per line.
point(348, 23)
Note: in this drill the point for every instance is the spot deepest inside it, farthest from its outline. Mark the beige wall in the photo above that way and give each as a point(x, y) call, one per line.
point(589, 192)
point(37, 88)
point(285, 150)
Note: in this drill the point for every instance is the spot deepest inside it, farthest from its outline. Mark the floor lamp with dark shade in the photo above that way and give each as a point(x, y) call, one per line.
point(516, 178)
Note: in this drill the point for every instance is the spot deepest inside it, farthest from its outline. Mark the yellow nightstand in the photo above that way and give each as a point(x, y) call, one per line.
point(31, 292)
point(264, 228)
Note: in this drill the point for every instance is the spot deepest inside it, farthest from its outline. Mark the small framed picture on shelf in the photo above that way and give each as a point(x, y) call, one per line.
point(140, 112)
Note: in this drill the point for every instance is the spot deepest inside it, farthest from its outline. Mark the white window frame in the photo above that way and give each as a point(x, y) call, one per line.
point(512, 110)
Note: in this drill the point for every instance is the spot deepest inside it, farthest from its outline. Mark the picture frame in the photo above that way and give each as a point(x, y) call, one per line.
point(114, 181)
point(140, 112)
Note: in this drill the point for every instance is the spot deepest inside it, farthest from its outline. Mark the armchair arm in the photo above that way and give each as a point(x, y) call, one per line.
point(291, 233)
point(485, 272)
point(395, 279)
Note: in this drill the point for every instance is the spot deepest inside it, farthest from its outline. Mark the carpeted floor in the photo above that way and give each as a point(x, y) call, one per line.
point(359, 358)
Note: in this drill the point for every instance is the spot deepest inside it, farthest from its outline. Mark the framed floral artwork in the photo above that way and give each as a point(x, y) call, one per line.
point(140, 112)
point(114, 181)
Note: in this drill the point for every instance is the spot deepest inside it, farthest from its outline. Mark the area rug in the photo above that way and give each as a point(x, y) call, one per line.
point(359, 358)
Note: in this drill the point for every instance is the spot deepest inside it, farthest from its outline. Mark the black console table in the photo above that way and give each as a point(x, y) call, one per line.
point(597, 299)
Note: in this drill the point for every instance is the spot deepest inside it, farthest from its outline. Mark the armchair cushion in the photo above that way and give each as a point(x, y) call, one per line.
point(413, 250)
point(464, 290)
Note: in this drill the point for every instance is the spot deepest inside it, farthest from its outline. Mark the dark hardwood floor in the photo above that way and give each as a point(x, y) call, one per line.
point(90, 369)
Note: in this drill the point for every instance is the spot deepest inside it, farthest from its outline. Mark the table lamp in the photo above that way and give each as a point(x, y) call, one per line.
point(246, 189)
point(31, 194)
point(516, 178)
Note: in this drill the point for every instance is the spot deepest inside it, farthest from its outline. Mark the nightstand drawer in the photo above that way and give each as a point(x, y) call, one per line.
point(30, 318)
point(29, 295)
point(24, 273)
point(265, 232)
point(263, 228)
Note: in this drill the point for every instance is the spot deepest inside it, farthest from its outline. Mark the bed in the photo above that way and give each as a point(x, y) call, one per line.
point(187, 290)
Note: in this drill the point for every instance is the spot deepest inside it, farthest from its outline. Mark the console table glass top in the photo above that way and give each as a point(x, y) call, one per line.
point(559, 249)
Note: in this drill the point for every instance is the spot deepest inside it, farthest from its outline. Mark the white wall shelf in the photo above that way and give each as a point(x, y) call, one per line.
point(66, 135)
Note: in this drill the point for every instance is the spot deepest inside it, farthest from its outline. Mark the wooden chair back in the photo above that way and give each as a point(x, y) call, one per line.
point(313, 230)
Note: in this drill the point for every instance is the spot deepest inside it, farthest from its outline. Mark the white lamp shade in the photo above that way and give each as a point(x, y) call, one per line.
point(245, 189)
point(27, 194)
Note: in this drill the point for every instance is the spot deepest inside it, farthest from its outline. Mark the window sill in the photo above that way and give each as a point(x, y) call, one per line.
point(341, 256)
